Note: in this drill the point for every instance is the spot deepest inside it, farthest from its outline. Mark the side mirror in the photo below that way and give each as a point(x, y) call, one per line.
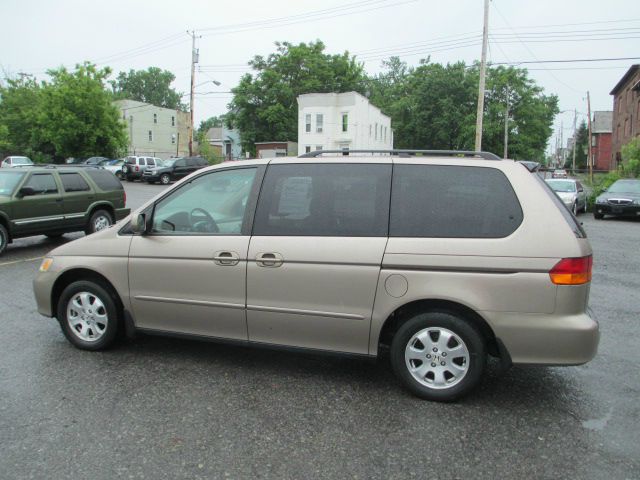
point(139, 223)
point(26, 192)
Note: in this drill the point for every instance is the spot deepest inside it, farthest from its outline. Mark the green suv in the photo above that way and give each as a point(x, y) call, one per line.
point(54, 200)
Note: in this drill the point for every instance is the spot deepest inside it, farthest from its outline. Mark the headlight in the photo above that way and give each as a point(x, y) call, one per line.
point(46, 264)
point(601, 200)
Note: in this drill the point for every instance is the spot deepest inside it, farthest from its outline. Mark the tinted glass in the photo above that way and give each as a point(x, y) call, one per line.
point(181, 162)
point(73, 182)
point(105, 180)
point(142, 161)
point(150, 161)
point(42, 183)
point(324, 200)
point(452, 202)
point(625, 186)
point(191, 162)
point(212, 204)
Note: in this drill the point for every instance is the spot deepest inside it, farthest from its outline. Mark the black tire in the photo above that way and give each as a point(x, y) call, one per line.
point(4, 238)
point(574, 209)
point(99, 220)
point(598, 216)
point(110, 330)
point(119, 175)
point(53, 236)
point(165, 179)
point(463, 330)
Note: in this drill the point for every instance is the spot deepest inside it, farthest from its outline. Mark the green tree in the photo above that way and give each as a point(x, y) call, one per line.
point(211, 122)
point(433, 106)
point(581, 146)
point(150, 86)
point(77, 117)
point(631, 158)
point(264, 105)
point(20, 104)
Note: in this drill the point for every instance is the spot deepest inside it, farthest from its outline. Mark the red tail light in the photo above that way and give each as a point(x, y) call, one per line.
point(137, 168)
point(125, 198)
point(572, 271)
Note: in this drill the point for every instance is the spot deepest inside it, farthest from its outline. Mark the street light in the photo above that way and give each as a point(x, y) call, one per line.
point(216, 83)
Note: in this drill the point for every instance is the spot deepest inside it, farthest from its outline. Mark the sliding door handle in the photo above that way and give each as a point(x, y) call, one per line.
point(269, 259)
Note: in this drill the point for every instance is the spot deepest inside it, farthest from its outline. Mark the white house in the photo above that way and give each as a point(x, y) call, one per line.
point(338, 121)
point(156, 131)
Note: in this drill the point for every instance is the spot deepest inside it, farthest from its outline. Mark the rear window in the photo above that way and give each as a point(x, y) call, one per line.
point(442, 201)
point(73, 182)
point(131, 160)
point(105, 180)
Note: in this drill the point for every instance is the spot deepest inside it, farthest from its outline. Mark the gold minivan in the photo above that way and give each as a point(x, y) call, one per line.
point(444, 258)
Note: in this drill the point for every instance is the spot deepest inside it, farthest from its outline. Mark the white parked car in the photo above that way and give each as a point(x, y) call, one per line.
point(15, 161)
point(115, 167)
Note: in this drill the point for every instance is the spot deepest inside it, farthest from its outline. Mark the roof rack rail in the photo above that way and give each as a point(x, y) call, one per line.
point(409, 153)
point(66, 165)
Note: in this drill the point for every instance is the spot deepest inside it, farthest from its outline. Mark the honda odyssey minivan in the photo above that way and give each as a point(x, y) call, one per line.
point(443, 258)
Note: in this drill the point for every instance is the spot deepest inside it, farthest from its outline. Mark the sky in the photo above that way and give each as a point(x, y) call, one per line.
point(37, 35)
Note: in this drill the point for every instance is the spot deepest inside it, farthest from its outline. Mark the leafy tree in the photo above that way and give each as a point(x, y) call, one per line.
point(206, 151)
point(264, 105)
point(211, 122)
point(433, 106)
point(581, 146)
point(76, 117)
point(631, 158)
point(20, 103)
point(150, 86)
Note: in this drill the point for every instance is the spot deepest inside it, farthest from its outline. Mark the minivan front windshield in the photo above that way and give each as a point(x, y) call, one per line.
point(8, 182)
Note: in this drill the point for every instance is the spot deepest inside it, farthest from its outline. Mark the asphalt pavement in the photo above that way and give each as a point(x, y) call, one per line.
point(169, 408)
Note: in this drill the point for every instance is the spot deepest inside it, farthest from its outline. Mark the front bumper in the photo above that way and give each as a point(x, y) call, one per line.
point(42, 287)
point(629, 210)
point(547, 339)
point(148, 177)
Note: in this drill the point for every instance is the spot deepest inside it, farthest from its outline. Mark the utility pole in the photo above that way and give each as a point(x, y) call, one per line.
point(575, 118)
point(194, 60)
point(561, 150)
point(483, 66)
point(590, 159)
point(506, 127)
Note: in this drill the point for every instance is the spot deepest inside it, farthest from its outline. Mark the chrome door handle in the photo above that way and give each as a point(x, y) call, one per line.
point(226, 259)
point(269, 259)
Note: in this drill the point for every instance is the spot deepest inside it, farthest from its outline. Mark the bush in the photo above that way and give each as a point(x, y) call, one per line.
point(631, 158)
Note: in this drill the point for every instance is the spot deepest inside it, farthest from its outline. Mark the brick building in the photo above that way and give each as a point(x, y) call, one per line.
point(601, 131)
point(626, 111)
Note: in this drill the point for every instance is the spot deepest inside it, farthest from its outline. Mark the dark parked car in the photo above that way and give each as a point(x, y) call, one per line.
point(174, 169)
point(52, 201)
point(620, 199)
point(95, 160)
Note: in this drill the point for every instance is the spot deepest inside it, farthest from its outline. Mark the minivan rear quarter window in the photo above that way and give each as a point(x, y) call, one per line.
point(448, 201)
point(324, 200)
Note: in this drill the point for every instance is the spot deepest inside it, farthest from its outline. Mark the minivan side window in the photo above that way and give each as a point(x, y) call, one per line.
point(73, 182)
point(211, 204)
point(324, 200)
point(446, 201)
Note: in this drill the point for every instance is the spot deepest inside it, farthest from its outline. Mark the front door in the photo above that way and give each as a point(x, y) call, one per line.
point(42, 211)
point(315, 254)
point(188, 274)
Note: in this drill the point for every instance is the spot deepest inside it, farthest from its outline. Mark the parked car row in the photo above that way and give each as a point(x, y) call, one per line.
point(154, 169)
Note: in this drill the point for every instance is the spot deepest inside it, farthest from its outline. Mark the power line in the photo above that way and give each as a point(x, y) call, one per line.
point(574, 60)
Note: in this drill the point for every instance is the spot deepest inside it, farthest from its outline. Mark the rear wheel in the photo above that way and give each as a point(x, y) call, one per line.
point(100, 219)
point(598, 216)
point(438, 356)
point(574, 209)
point(119, 175)
point(165, 179)
point(88, 315)
point(4, 239)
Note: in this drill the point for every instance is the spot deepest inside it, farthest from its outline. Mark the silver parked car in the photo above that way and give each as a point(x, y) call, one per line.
point(443, 259)
point(16, 161)
point(571, 192)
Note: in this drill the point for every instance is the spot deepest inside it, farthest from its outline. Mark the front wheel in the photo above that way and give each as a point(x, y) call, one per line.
point(100, 219)
point(438, 356)
point(88, 315)
point(598, 216)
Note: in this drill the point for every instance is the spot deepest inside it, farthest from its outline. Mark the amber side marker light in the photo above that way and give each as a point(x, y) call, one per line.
point(572, 271)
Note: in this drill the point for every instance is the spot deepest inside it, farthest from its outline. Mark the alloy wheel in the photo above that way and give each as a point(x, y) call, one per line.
point(87, 316)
